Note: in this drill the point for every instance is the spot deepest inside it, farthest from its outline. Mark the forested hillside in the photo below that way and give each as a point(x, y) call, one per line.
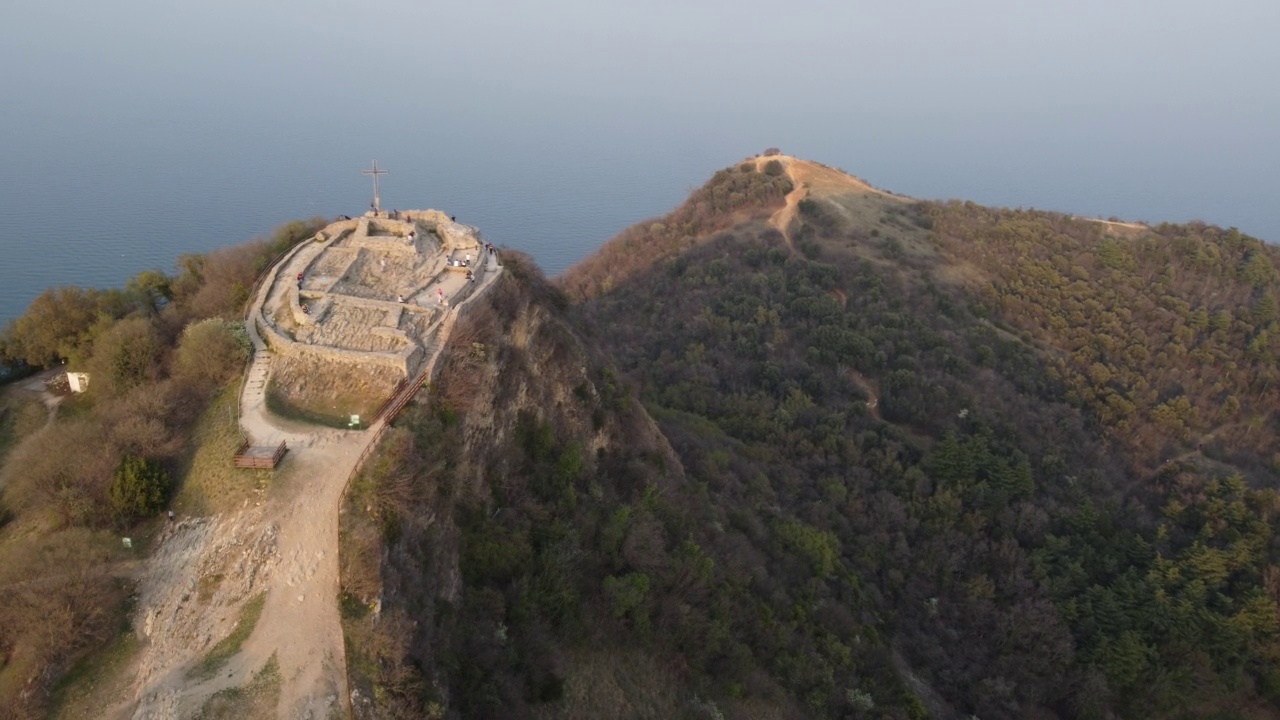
point(1168, 336)
point(910, 460)
point(485, 551)
point(1002, 463)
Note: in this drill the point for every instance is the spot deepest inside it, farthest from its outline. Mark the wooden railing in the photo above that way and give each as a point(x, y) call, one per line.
point(382, 409)
point(405, 396)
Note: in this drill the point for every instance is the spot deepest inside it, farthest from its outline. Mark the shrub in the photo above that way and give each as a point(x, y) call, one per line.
point(773, 167)
point(139, 487)
point(211, 352)
point(55, 326)
point(772, 151)
point(66, 472)
point(820, 547)
point(124, 356)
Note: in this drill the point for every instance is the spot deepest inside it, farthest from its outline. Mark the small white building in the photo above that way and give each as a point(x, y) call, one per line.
point(78, 381)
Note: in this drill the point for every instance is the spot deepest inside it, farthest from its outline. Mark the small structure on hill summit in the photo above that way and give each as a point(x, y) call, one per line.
point(375, 172)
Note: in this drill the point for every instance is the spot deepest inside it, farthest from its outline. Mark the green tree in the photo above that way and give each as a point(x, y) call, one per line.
point(630, 595)
point(1257, 269)
point(1264, 310)
point(150, 288)
point(211, 351)
point(139, 487)
point(820, 547)
point(125, 355)
point(54, 327)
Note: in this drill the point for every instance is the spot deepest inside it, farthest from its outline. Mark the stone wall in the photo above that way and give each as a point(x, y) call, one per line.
point(461, 309)
point(374, 362)
point(320, 384)
point(337, 231)
point(402, 361)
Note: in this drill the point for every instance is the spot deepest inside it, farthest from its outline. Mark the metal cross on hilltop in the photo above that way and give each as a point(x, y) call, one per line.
point(375, 172)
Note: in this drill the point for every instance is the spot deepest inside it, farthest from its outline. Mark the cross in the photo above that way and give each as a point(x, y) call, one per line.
point(375, 172)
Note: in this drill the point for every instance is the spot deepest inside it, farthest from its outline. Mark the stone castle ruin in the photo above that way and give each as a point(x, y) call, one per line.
point(357, 309)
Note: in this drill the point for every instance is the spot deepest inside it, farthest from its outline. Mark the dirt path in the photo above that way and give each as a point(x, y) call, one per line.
point(37, 386)
point(782, 218)
point(283, 548)
point(811, 179)
point(873, 396)
point(1117, 227)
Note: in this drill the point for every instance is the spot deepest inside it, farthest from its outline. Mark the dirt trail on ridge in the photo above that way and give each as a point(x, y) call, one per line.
point(810, 179)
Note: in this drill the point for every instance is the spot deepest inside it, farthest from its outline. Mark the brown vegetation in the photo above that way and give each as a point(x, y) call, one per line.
point(154, 367)
point(730, 196)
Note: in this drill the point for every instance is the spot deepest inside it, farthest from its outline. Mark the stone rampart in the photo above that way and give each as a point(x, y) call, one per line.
point(402, 361)
point(326, 263)
point(385, 228)
point(335, 232)
point(461, 309)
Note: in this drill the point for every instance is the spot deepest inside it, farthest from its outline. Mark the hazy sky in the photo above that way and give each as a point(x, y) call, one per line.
point(1146, 109)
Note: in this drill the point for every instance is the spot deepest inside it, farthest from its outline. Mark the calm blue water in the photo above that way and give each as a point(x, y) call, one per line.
point(92, 206)
point(133, 132)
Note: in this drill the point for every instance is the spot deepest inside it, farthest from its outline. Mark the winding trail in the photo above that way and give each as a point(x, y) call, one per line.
point(782, 218)
point(284, 548)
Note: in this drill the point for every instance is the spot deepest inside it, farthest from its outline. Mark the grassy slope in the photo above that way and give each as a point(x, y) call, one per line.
point(210, 483)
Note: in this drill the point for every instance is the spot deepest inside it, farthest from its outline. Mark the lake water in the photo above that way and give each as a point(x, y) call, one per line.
point(133, 132)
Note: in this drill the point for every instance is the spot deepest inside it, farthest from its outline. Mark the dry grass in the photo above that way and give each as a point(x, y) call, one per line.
point(230, 645)
point(330, 410)
point(210, 483)
point(61, 600)
point(258, 699)
point(208, 585)
point(325, 392)
point(21, 414)
point(97, 681)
